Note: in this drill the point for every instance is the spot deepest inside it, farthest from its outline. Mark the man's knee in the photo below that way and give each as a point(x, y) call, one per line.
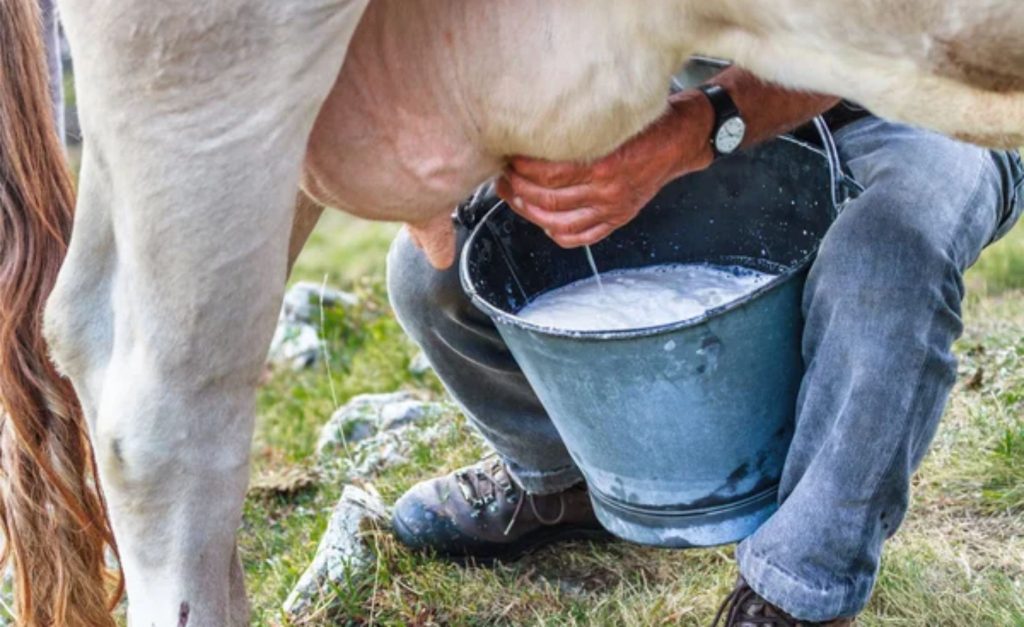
point(885, 259)
point(928, 199)
point(891, 246)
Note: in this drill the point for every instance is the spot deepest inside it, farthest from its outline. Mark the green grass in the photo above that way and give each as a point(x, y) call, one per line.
point(1005, 486)
point(347, 250)
point(1001, 267)
point(959, 560)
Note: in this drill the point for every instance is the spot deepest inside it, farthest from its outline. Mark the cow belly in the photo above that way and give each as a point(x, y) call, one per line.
point(391, 140)
point(397, 169)
point(434, 94)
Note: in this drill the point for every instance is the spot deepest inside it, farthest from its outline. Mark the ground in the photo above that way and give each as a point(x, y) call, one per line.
point(959, 560)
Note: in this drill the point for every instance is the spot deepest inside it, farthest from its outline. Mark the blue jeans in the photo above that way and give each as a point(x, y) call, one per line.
point(882, 309)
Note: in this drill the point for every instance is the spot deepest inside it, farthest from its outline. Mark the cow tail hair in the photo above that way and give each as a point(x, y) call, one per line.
point(57, 538)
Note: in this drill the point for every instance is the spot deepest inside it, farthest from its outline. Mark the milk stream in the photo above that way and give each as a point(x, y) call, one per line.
point(642, 297)
point(593, 267)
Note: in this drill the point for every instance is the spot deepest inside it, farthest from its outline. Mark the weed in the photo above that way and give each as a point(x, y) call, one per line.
point(1005, 487)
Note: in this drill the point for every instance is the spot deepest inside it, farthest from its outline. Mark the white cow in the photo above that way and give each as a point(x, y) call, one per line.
point(202, 119)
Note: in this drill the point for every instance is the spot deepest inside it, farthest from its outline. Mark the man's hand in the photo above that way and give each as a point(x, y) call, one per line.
point(579, 204)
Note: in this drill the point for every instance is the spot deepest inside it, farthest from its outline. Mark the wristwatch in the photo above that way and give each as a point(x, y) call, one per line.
point(729, 129)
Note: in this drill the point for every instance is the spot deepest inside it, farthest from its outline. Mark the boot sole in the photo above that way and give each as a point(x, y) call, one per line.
point(520, 548)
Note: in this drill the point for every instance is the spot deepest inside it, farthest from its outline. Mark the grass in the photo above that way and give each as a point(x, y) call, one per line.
point(959, 559)
point(1005, 486)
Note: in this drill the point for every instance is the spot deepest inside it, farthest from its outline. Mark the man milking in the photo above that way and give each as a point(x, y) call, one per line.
point(881, 307)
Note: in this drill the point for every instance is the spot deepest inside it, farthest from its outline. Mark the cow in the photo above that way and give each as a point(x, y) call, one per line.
point(214, 132)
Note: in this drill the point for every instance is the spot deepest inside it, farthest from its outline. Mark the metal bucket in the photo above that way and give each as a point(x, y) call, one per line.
point(681, 430)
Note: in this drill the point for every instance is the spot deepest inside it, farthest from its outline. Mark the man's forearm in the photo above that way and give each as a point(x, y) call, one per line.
point(767, 109)
point(770, 110)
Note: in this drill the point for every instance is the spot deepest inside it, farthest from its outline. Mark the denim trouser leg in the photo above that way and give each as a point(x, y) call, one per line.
point(476, 367)
point(882, 309)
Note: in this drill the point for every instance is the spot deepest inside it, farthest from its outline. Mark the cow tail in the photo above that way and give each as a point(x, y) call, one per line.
point(57, 537)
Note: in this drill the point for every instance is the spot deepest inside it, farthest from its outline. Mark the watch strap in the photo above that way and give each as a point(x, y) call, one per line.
point(723, 106)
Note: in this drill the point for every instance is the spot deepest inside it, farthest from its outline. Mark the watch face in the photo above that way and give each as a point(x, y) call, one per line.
point(730, 135)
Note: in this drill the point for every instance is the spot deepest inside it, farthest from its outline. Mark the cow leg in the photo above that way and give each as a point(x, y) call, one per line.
point(196, 118)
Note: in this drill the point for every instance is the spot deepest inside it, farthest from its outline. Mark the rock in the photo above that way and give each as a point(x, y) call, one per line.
point(394, 415)
point(296, 342)
point(342, 551)
point(295, 345)
point(386, 450)
point(363, 413)
point(302, 301)
point(419, 365)
point(367, 415)
point(390, 448)
point(361, 430)
point(383, 430)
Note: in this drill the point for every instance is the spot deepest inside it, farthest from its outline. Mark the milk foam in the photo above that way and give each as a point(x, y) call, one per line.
point(642, 297)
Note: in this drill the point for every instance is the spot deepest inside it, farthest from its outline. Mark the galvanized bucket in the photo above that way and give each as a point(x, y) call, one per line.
point(681, 430)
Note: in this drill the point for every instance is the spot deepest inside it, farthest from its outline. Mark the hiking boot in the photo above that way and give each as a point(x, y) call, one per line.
point(745, 608)
point(480, 512)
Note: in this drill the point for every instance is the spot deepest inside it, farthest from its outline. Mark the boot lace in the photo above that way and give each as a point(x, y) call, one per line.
point(481, 484)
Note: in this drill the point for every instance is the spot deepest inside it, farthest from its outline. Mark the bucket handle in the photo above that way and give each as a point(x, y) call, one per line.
point(843, 187)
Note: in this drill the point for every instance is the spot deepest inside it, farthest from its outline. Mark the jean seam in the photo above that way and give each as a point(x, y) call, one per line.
point(1018, 185)
point(1013, 206)
point(834, 609)
point(796, 578)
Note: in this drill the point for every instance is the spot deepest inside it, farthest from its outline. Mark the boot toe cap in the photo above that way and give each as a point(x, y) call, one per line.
point(421, 525)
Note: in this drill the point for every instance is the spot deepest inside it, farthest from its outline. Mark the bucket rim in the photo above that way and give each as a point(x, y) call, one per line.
point(499, 315)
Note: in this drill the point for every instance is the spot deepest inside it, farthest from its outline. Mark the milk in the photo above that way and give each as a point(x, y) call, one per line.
point(642, 297)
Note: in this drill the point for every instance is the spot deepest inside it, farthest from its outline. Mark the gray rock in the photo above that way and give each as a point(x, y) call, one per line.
point(386, 450)
point(342, 551)
point(361, 430)
point(419, 365)
point(402, 413)
point(296, 342)
point(295, 345)
point(390, 448)
point(367, 415)
point(302, 301)
point(364, 410)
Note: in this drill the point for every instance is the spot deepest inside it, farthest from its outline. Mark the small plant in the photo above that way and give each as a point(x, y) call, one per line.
point(1005, 488)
